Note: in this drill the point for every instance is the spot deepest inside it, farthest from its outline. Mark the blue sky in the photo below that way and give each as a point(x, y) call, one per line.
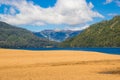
point(45, 3)
point(37, 15)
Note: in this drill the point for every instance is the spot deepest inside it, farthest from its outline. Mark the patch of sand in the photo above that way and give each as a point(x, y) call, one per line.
point(58, 65)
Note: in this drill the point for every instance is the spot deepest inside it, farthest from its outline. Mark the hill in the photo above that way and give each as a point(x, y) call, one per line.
point(14, 37)
point(102, 34)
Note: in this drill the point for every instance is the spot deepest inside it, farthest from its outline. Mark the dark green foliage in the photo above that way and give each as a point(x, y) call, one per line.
point(103, 34)
point(14, 37)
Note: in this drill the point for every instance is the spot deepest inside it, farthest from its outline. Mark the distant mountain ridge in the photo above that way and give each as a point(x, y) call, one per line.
point(102, 34)
point(57, 35)
point(14, 37)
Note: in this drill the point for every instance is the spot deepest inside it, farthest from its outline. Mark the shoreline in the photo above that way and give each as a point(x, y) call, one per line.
point(114, 51)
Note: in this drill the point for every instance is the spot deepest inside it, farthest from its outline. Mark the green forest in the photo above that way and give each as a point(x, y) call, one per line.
point(14, 37)
point(102, 34)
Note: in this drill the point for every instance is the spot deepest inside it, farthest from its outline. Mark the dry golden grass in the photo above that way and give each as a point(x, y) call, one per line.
point(58, 65)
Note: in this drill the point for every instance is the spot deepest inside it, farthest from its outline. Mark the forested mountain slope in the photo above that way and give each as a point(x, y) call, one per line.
point(14, 37)
point(102, 34)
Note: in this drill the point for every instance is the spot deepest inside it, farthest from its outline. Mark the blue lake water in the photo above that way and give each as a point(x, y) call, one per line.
point(103, 50)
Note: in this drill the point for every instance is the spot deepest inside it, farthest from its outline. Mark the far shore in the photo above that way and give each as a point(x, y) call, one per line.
point(58, 65)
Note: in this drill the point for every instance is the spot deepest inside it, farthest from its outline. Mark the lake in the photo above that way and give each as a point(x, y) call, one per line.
point(103, 50)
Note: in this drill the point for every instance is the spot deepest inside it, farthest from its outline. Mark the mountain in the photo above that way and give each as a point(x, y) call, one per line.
point(14, 37)
point(55, 35)
point(102, 34)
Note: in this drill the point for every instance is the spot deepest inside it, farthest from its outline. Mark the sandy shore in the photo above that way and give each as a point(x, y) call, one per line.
point(58, 65)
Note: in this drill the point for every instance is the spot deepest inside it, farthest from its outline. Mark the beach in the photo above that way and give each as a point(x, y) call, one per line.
point(58, 65)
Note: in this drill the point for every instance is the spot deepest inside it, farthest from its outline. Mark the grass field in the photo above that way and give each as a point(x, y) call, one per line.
point(58, 65)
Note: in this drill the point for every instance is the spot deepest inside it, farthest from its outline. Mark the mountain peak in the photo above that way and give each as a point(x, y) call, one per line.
point(57, 35)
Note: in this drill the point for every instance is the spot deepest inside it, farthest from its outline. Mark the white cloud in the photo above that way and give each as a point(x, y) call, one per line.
point(12, 11)
point(115, 1)
point(77, 28)
point(91, 5)
point(108, 1)
point(112, 14)
point(69, 12)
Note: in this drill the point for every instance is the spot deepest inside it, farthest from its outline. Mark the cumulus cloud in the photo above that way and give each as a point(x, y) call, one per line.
point(12, 11)
point(70, 12)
